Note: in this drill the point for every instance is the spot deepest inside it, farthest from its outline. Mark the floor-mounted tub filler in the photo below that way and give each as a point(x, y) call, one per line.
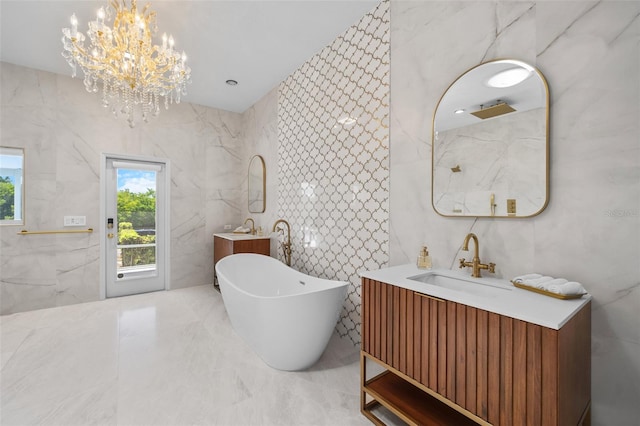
point(285, 316)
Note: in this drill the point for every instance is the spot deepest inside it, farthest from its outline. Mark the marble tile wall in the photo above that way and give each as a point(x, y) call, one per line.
point(590, 232)
point(64, 130)
point(260, 135)
point(333, 150)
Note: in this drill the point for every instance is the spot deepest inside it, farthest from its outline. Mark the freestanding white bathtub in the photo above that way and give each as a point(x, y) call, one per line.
point(285, 316)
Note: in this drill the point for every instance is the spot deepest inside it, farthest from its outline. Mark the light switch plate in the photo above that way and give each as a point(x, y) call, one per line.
point(75, 220)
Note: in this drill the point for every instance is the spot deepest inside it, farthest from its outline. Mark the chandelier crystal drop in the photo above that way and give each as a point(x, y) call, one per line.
point(134, 73)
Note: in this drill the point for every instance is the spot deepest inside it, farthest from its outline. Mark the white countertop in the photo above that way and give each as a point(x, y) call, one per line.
point(236, 237)
point(497, 295)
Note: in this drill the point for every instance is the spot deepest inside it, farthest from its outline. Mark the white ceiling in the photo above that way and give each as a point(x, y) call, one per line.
point(258, 43)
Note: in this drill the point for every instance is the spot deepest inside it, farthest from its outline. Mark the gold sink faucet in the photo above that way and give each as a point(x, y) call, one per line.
point(253, 225)
point(286, 246)
point(475, 264)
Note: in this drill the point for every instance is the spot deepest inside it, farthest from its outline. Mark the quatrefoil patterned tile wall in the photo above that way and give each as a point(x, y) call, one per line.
point(333, 159)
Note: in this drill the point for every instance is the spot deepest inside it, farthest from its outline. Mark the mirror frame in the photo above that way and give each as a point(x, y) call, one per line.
point(257, 160)
point(547, 146)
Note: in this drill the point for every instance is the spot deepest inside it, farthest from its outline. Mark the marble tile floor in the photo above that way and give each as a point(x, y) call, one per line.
point(164, 358)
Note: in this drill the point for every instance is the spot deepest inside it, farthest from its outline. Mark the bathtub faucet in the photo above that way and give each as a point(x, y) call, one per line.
point(286, 246)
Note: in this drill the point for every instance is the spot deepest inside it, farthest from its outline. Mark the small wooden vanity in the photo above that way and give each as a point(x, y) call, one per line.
point(448, 363)
point(228, 244)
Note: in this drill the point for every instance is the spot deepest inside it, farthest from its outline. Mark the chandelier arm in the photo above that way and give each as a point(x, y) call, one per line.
point(83, 58)
point(115, 4)
point(149, 14)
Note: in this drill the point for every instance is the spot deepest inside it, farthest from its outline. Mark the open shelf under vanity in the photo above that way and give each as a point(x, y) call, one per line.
point(407, 401)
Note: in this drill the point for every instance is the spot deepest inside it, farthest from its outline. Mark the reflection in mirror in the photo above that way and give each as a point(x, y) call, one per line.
point(490, 143)
point(11, 186)
point(257, 189)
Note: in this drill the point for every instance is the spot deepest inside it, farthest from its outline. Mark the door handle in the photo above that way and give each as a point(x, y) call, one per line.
point(109, 235)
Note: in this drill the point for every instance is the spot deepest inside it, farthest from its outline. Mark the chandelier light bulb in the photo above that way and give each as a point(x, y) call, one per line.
point(74, 25)
point(135, 75)
point(101, 15)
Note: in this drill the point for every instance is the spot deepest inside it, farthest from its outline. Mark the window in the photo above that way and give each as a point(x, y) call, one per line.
point(11, 186)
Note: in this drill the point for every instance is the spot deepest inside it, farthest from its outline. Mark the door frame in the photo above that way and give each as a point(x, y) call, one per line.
point(103, 215)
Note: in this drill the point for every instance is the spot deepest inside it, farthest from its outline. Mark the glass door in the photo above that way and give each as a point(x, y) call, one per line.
point(135, 241)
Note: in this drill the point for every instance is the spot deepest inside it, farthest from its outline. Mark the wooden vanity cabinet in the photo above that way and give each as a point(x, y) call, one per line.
point(223, 247)
point(448, 359)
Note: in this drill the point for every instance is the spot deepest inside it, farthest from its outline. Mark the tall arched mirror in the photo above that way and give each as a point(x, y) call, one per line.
point(257, 185)
point(490, 143)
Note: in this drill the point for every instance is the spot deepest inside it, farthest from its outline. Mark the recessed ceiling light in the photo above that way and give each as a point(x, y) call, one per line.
point(508, 78)
point(232, 82)
point(459, 111)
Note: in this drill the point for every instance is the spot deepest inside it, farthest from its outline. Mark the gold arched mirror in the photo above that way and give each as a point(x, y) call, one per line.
point(490, 143)
point(257, 185)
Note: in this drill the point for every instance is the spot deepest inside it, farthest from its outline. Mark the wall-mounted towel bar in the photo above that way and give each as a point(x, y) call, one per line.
point(62, 231)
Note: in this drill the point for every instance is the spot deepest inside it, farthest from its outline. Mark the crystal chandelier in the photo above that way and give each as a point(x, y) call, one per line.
point(134, 73)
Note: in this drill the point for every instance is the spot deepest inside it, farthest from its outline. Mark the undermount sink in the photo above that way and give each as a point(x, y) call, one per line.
point(454, 282)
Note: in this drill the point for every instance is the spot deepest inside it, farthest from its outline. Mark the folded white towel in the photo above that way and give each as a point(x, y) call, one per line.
point(545, 284)
point(538, 282)
point(568, 288)
point(521, 278)
point(554, 283)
